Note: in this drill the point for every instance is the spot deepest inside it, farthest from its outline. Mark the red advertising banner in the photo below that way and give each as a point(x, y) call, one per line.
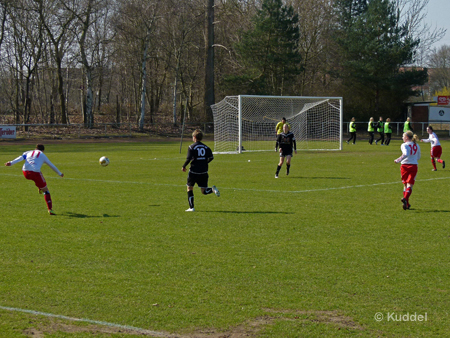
point(443, 100)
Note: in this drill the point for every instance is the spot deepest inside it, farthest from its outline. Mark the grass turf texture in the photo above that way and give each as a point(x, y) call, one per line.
point(316, 253)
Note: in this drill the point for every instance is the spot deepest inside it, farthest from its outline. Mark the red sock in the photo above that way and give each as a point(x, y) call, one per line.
point(433, 162)
point(408, 193)
point(439, 160)
point(48, 200)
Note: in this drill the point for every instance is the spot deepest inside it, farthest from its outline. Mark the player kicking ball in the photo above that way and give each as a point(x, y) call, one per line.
point(199, 155)
point(286, 142)
point(34, 159)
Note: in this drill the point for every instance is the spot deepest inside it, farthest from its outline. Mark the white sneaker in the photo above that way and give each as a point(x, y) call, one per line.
point(276, 176)
point(190, 209)
point(216, 191)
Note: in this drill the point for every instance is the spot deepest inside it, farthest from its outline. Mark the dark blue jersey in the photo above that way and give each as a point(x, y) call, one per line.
point(199, 155)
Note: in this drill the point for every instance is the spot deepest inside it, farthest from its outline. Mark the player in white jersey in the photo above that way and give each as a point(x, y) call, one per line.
point(409, 160)
point(436, 149)
point(34, 159)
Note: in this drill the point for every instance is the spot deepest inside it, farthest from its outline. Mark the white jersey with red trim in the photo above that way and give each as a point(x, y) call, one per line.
point(34, 159)
point(410, 153)
point(433, 139)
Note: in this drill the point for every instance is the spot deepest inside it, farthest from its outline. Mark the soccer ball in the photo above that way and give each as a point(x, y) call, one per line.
point(104, 161)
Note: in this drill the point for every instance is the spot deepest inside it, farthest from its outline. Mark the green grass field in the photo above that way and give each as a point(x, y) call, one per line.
point(318, 253)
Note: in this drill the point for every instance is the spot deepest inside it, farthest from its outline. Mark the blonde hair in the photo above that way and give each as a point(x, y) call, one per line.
point(412, 137)
point(371, 119)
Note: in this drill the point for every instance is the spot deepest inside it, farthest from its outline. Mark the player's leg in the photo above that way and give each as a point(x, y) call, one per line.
point(203, 184)
point(433, 162)
point(288, 164)
point(410, 178)
point(351, 136)
point(280, 164)
point(48, 200)
point(41, 184)
point(190, 191)
point(405, 174)
point(213, 189)
point(437, 153)
point(206, 191)
point(408, 192)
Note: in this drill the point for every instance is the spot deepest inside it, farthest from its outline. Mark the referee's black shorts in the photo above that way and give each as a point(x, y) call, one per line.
point(200, 179)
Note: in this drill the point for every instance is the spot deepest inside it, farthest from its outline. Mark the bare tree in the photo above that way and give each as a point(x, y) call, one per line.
point(88, 13)
point(315, 20)
point(27, 36)
point(439, 62)
point(180, 25)
point(136, 21)
point(413, 13)
point(58, 24)
point(209, 63)
point(4, 6)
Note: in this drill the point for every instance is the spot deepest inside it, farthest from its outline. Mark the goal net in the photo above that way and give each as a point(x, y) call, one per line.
point(247, 122)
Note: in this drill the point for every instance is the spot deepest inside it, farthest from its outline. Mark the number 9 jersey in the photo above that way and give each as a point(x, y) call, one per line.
point(410, 153)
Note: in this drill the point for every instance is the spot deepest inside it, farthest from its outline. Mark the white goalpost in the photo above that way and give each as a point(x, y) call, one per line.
point(247, 122)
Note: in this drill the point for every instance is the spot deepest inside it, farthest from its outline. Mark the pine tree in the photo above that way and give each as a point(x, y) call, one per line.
point(374, 48)
point(269, 52)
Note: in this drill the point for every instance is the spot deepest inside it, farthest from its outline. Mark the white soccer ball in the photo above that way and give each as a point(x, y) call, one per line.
point(104, 161)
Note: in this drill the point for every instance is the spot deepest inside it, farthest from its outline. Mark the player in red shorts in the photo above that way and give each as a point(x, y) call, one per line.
point(34, 159)
point(409, 160)
point(436, 149)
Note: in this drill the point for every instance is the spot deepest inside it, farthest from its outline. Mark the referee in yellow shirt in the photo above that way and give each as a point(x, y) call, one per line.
point(279, 127)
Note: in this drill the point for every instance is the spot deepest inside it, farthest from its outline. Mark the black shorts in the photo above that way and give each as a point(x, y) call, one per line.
point(200, 179)
point(286, 153)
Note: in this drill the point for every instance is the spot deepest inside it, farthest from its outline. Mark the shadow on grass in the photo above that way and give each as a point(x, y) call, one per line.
point(75, 215)
point(249, 212)
point(318, 178)
point(428, 210)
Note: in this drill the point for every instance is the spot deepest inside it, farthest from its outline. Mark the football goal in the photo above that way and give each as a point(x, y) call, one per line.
point(247, 122)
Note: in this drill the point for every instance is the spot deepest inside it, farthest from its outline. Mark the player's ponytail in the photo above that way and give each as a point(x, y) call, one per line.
point(411, 136)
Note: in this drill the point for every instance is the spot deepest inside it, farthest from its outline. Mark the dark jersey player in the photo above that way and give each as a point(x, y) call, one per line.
point(199, 155)
point(286, 142)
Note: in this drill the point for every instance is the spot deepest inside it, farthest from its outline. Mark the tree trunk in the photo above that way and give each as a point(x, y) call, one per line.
point(62, 99)
point(89, 99)
point(117, 111)
point(144, 83)
point(209, 98)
